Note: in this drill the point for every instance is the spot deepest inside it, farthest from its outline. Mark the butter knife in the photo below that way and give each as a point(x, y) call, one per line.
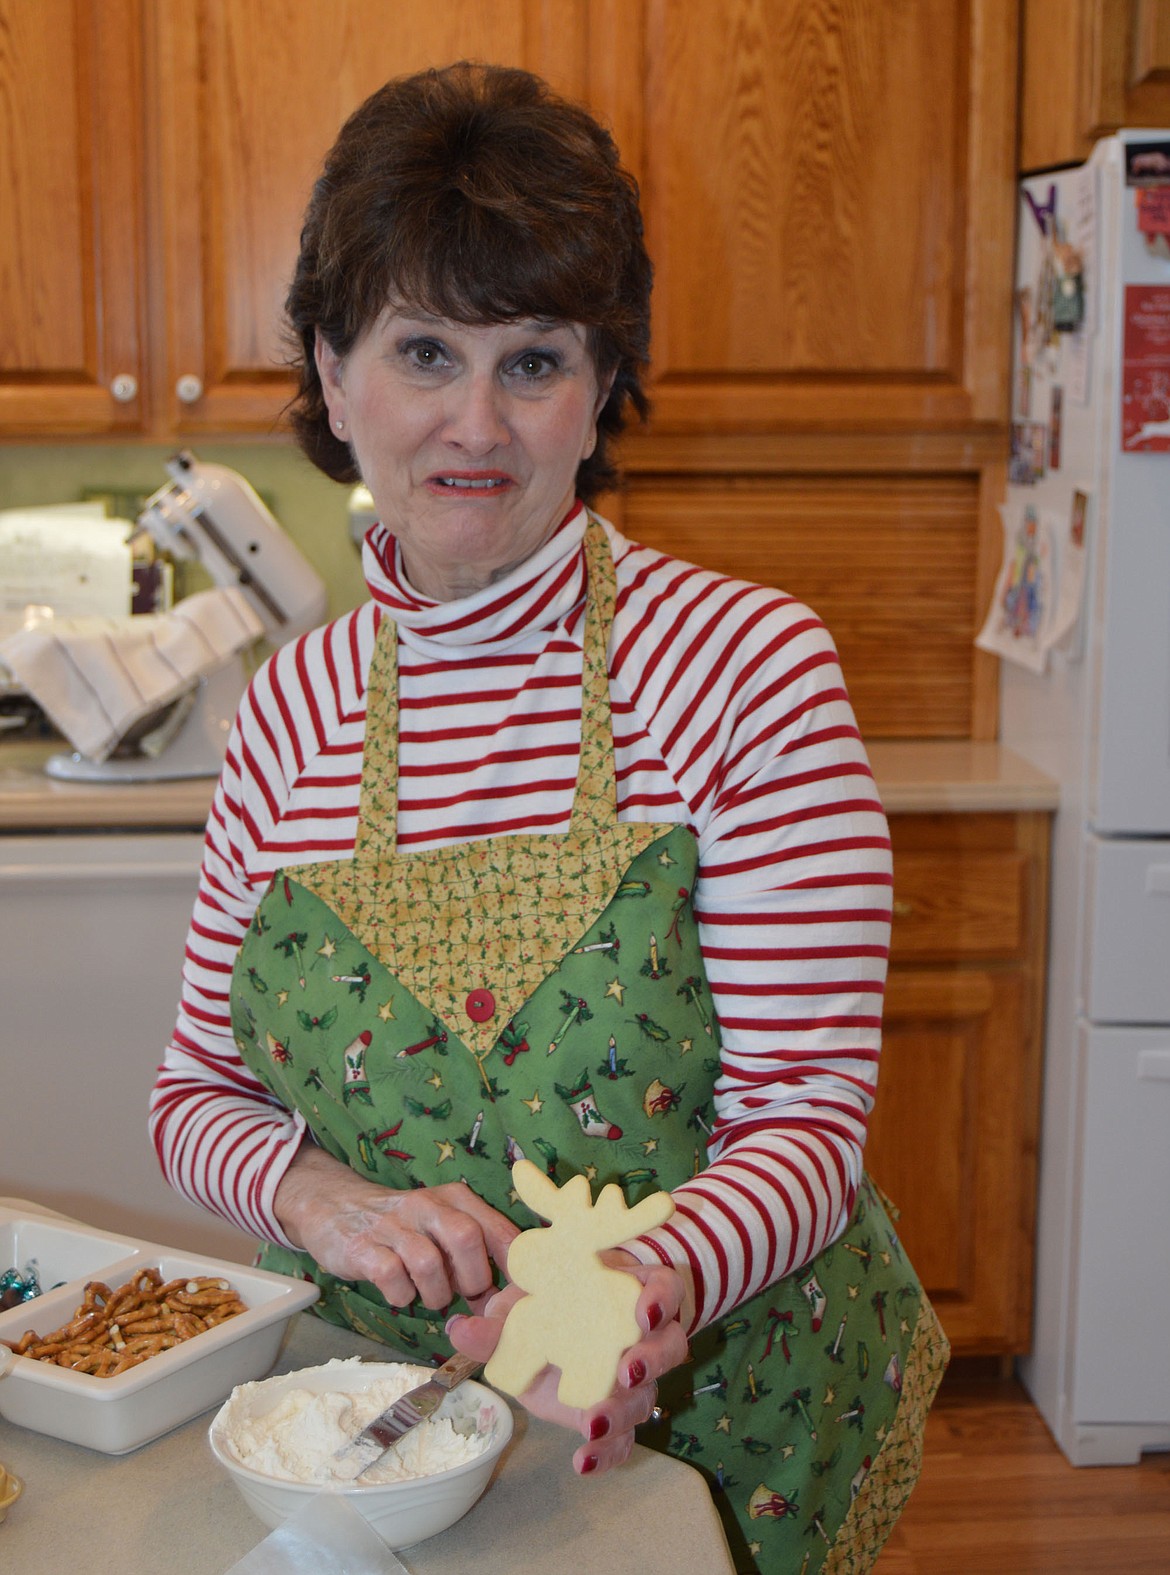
point(408, 1411)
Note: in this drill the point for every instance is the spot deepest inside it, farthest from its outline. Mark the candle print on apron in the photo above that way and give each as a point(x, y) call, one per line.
point(436, 1015)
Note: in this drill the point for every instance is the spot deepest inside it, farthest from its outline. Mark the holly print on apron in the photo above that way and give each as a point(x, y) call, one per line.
point(437, 1015)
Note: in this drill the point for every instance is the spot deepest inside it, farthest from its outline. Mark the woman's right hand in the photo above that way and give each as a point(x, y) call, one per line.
point(433, 1243)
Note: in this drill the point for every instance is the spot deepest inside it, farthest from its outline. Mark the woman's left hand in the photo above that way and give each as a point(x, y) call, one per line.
point(608, 1426)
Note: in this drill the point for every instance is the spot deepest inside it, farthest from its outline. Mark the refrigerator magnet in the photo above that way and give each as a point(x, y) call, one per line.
point(1023, 348)
point(1054, 426)
point(1145, 370)
point(1044, 212)
point(1022, 401)
point(1068, 287)
point(1153, 218)
point(1147, 163)
point(1029, 440)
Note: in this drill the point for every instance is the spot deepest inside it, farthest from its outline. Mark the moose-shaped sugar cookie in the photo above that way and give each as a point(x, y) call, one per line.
point(579, 1313)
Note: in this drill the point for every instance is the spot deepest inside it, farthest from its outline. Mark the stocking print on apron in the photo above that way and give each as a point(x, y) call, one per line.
point(436, 1015)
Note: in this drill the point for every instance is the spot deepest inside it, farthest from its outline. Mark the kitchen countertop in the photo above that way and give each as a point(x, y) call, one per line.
point(32, 801)
point(957, 776)
point(170, 1507)
point(913, 777)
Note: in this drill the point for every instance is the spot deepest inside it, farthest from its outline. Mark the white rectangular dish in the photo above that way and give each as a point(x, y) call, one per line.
point(60, 1250)
point(116, 1415)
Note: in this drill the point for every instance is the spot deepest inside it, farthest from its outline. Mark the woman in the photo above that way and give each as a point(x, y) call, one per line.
point(555, 847)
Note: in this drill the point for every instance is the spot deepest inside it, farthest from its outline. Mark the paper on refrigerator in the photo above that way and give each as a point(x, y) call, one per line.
point(1018, 625)
point(1037, 602)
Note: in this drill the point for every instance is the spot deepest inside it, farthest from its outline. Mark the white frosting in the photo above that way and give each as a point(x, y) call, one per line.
point(297, 1439)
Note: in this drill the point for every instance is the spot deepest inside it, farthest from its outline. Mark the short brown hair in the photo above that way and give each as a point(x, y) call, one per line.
point(475, 193)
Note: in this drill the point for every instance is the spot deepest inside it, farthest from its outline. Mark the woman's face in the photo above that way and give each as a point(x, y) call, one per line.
point(468, 437)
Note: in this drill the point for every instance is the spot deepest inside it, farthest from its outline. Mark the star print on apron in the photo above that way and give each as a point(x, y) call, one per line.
point(437, 1015)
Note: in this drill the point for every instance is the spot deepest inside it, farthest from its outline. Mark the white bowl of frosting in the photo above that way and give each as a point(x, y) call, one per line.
point(278, 1438)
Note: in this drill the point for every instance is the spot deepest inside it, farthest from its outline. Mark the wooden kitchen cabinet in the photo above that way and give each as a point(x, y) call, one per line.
point(953, 1136)
point(158, 158)
point(1090, 67)
point(902, 617)
point(829, 196)
point(72, 236)
point(253, 96)
point(847, 234)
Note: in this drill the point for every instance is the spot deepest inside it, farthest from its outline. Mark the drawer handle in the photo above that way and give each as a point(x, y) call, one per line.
point(1155, 1065)
point(1158, 880)
point(903, 909)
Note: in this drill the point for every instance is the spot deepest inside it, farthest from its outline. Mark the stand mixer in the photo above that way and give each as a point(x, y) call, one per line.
point(210, 514)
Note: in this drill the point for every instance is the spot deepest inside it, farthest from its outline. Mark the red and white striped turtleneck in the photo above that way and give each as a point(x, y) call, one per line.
point(729, 715)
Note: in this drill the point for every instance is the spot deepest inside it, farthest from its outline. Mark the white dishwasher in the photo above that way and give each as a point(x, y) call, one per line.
point(92, 929)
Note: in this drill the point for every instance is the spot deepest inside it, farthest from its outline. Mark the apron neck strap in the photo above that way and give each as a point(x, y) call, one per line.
point(595, 800)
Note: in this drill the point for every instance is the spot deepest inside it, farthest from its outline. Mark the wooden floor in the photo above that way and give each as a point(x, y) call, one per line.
point(997, 1497)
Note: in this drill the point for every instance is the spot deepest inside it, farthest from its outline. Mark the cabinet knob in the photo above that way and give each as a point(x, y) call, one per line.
point(189, 388)
point(124, 388)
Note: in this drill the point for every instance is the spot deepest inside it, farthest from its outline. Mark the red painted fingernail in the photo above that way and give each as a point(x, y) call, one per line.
point(588, 1464)
point(636, 1373)
point(598, 1428)
point(654, 1315)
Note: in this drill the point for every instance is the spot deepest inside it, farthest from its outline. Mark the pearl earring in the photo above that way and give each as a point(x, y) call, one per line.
point(340, 425)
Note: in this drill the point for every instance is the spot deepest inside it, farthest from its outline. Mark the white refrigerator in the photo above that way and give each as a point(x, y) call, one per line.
point(1081, 616)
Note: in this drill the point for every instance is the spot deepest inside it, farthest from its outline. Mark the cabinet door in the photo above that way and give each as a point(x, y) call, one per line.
point(254, 94)
point(1090, 67)
point(901, 618)
point(828, 191)
point(951, 1142)
point(71, 236)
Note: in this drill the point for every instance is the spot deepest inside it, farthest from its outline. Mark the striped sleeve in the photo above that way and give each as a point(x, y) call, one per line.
point(221, 1139)
point(741, 690)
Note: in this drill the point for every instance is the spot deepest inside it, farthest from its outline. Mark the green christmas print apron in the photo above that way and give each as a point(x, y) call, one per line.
point(437, 1015)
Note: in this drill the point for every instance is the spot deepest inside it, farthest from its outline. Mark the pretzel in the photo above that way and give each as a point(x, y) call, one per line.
point(87, 1323)
point(114, 1330)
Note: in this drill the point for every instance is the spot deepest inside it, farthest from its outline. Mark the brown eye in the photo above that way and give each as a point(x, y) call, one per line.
point(535, 364)
point(424, 353)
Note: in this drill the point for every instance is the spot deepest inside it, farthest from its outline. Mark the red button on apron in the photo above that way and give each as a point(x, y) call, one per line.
point(481, 1004)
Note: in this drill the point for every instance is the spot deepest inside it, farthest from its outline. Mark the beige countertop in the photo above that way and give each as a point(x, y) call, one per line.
point(957, 776)
point(30, 800)
point(169, 1506)
point(919, 777)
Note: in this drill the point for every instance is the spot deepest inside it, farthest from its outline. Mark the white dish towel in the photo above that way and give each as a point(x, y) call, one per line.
point(96, 678)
